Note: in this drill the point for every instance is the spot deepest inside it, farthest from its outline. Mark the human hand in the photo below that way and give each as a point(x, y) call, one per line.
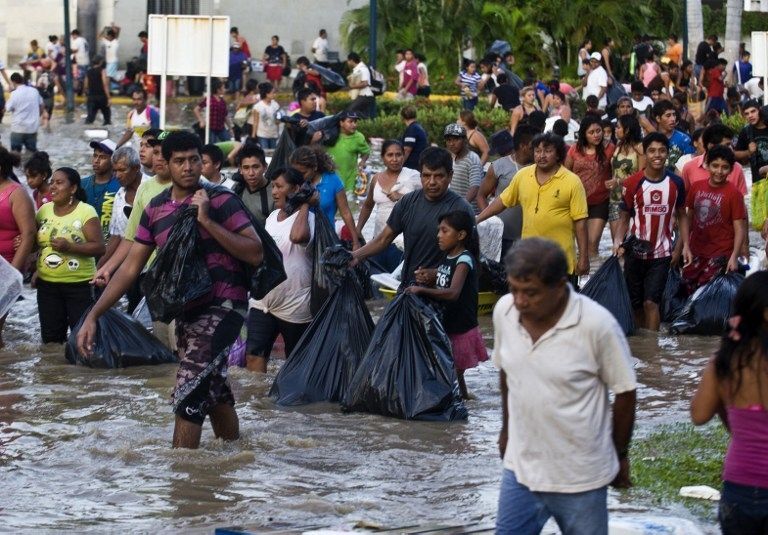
point(101, 277)
point(687, 256)
point(201, 200)
point(415, 290)
point(622, 479)
point(303, 123)
point(60, 245)
point(618, 250)
point(201, 124)
point(612, 183)
point(675, 261)
point(733, 264)
point(425, 277)
point(752, 147)
point(16, 243)
point(317, 136)
point(33, 280)
point(355, 242)
point(85, 337)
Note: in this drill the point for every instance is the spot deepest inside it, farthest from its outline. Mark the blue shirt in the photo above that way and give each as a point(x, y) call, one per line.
point(329, 185)
point(415, 137)
point(679, 144)
point(102, 198)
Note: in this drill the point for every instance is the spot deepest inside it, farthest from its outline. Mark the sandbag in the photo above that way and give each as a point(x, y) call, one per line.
point(673, 299)
point(325, 237)
point(11, 284)
point(271, 272)
point(492, 277)
point(407, 371)
point(280, 159)
point(120, 341)
point(608, 288)
point(330, 350)
point(178, 276)
point(708, 309)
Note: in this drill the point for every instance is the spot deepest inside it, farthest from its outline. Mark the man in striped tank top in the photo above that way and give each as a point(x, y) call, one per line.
point(653, 200)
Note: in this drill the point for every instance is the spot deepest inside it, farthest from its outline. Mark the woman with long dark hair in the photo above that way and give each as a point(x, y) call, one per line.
point(734, 386)
point(628, 158)
point(591, 161)
point(69, 237)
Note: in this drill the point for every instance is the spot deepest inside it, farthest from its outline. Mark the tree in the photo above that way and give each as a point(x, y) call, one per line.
point(733, 11)
point(695, 25)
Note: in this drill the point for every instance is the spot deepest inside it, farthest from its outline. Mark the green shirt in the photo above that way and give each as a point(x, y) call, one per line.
point(146, 192)
point(55, 266)
point(345, 153)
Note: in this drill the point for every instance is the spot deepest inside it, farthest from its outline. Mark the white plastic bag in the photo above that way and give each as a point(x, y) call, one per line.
point(490, 232)
point(11, 284)
point(141, 314)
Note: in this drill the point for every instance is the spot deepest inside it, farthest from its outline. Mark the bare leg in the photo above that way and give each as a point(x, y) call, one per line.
point(186, 434)
point(2, 325)
point(256, 363)
point(463, 385)
point(595, 232)
point(225, 422)
point(639, 315)
point(652, 315)
point(614, 227)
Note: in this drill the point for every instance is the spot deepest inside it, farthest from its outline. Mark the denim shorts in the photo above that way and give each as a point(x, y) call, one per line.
point(743, 509)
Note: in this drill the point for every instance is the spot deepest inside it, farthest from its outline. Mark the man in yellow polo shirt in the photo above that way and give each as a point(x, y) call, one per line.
point(553, 200)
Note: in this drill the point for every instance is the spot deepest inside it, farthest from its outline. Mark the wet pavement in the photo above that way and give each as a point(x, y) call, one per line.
point(89, 449)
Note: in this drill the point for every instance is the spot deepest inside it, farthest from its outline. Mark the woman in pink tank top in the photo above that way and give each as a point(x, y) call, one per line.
point(17, 218)
point(735, 387)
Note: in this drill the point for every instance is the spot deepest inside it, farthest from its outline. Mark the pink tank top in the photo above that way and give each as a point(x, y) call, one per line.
point(650, 73)
point(746, 462)
point(8, 227)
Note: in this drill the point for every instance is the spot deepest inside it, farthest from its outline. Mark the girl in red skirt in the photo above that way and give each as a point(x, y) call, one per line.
point(456, 286)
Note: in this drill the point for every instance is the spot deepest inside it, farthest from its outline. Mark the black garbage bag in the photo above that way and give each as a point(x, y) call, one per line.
point(408, 370)
point(673, 299)
point(364, 269)
point(329, 126)
point(121, 341)
point(326, 357)
point(178, 276)
point(608, 288)
point(708, 309)
point(325, 237)
point(285, 147)
point(492, 277)
point(271, 272)
point(332, 81)
point(302, 196)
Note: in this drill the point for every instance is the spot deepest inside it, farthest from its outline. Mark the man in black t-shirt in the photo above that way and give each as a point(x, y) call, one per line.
point(506, 94)
point(307, 113)
point(752, 143)
point(414, 138)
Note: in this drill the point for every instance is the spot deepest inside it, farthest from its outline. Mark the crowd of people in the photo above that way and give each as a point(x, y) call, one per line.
point(668, 184)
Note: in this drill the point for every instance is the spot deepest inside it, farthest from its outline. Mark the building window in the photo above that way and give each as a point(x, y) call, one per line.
point(173, 7)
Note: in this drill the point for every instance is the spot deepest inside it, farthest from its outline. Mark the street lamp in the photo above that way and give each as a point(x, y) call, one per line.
point(69, 89)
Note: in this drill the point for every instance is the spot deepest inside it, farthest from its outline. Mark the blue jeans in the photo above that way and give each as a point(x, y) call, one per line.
point(469, 103)
point(267, 142)
point(219, 135)
point(743, 510)
point(23, 140)
point(524, 512)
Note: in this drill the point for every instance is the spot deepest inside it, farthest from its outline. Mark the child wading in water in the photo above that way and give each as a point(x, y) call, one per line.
point(456, 285)
point(735, 387)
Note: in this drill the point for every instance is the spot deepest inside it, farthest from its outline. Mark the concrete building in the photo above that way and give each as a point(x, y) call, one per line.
point(297, 22)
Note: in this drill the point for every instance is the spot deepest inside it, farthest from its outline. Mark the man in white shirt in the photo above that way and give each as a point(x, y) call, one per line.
point(4, 76)
point(597, 80)
point(82, 54)
point(363, 101)
point(320, 48)
point(754, 86)
point(111, 45)
point(27, 107)
point(559, 355)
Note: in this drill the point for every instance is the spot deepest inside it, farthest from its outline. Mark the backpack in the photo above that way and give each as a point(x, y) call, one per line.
point(378, 82)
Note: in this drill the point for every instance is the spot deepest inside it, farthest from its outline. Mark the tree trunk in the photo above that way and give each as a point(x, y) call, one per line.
point(695, 26)
point(733, 11)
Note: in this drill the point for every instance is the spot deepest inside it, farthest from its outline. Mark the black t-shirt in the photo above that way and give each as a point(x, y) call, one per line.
point(703, 53)
point(274, 54)
point(416, 218)
point(642, 50)
point(461, 315)
point(508, 96)
point(760, 158)
point(415, 137)
point(300, 136)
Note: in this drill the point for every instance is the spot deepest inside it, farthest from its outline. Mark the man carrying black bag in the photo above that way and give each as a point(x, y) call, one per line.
point(228, 245)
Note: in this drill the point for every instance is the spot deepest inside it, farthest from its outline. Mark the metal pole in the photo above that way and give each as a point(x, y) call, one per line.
point(208, 83)
point(163, 96)
point(685, 29)
point(69, 85)
point(373, 23)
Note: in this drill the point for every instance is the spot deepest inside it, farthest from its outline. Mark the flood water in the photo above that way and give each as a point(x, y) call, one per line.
point(86, 449)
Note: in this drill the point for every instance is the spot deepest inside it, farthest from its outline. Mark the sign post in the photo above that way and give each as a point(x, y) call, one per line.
point(188, 45)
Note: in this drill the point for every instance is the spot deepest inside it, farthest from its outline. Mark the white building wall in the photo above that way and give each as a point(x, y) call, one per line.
point(21, 21)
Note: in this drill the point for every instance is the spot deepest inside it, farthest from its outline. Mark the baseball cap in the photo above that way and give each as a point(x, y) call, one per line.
point(158, 140)
point(348, 115)
point(502, 142)
point(455, 130)
point(105, 145)
point(595, 56)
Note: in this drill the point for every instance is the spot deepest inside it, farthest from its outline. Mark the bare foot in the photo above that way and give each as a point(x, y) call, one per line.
point(469, 397)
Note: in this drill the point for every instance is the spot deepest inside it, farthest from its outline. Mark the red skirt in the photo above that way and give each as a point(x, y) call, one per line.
point(274, 72)
point(468, 349)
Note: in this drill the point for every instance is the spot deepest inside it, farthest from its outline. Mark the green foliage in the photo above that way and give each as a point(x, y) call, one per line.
point(676, 456)
point(735, 122)
point(714, 21)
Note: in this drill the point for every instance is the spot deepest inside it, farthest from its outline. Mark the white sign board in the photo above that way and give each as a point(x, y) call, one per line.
point(188, 45)
point(759, 53)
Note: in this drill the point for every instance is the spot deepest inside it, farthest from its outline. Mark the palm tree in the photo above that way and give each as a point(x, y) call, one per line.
point(733, 11)
point(695, 26)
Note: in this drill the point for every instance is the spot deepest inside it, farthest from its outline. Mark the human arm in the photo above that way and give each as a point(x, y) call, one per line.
point(445, 294)
point(623, 423)
point(621, 232)
point(681, 247)
point(707, 401)
point(407, 152)
point(514, 119)
point(740, 234)
point(244, 245)
point(367, 207)
point(104, 273)
point(126, 136)
point(495, 208)
point(300, 232)
point(112, 245)
point(457, 81)
point(582, 240)
point(254, 121)
point(568, 163)
point(129, 270)
point(487, 187)
point(503, 434)
point(375, 246)
point(23, 212)
point(346, 216)
point(198, 111)
point(482, 146)
point(92, 246)
point(105, 85)
point(116, 29)
point(607, 60)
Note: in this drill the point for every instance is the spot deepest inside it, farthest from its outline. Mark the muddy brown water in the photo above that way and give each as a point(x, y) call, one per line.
point(86, 449)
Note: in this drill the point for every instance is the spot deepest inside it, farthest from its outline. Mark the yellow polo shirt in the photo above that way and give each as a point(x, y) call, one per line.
point(549, 210)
